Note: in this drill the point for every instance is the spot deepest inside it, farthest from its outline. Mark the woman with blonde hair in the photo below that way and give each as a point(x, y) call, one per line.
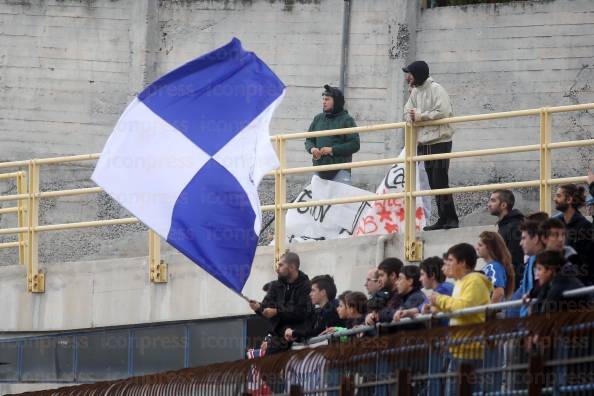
point(499, 268)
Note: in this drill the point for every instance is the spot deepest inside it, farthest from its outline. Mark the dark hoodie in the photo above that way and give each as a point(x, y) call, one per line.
point(550, 296)
point(324, 317)
point(508, 228)
point(419, 70)
point(293, 305)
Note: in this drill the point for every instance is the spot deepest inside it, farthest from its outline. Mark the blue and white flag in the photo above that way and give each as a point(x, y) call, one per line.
point(187, 155)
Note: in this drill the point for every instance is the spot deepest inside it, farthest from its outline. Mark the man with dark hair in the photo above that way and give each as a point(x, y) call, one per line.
point(501, 204)
point(553, 282)
point(531, 241)
point(429, 101)
point(568, 199)
point(323, 296)
point(409, 288)
point(337, 149)
point(286, 304)
point(385, 302)
point(471, 289)
point(554, 237)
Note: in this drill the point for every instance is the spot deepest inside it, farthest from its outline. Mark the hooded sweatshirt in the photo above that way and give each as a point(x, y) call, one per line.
point(431, 102)
point(472, 290)
point(508, 228)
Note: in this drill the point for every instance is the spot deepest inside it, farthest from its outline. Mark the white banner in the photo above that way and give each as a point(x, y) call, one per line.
point(346, 220)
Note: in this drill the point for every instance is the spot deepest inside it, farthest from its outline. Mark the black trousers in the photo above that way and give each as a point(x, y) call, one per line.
point(437, 173)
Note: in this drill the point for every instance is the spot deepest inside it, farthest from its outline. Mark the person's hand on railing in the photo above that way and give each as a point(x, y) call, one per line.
point(371, 319)
point(590, 176)
point(315, 153)
point(405, 313)
point(329, 330)
point(289, 335)
point(326, 150)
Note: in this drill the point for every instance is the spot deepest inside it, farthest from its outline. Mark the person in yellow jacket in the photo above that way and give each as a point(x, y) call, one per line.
point(470, 290)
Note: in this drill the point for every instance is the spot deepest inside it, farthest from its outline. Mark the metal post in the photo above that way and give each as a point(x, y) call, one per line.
point(157, 267)
point(413, 249)
point(280, 197)
point(536, 375)
point(466, 378)
point(545, 161)
point(21, 184)
point(404, 382)
point(296, 390)
point(347, 386)
point(35, 279)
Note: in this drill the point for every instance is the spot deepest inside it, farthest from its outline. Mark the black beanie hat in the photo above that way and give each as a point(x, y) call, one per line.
point(419, 70)
point(338, 97)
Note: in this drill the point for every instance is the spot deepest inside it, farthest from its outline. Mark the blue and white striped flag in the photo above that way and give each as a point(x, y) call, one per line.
point(187, 155)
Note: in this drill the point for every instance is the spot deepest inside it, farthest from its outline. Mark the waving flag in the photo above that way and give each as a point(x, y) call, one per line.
point(188, 153)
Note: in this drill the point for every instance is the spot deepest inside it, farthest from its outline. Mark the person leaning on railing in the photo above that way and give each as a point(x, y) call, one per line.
point(471, 289)
point(554, 280)
point(429, 101)
point(338, 149)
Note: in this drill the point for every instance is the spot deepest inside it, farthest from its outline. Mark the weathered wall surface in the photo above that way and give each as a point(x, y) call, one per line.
point(115, 292)
point(494, 58)
point(69, 67)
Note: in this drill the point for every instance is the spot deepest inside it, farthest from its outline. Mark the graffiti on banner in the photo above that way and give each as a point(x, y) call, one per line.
point(387, 216)
point(325, 221)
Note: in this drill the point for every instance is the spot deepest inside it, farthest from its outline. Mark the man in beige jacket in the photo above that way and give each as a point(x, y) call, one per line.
point(429, 101)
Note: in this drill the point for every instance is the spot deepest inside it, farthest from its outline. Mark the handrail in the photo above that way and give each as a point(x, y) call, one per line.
point(422, 318)
point(28, 197)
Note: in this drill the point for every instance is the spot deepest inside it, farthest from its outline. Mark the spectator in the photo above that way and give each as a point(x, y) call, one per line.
point(371, 283)
point(385, 302)
point(553, 282)
point(323, 295)
point(471, 288)
point(286, 304)
point(336, 149)
point(429, 101)
point(432, 278)
point(554, 237)
point(532, 243)
point(499, 269)
point(501, 204)
point(568, 199)
point(352, 307)
point(409, 287)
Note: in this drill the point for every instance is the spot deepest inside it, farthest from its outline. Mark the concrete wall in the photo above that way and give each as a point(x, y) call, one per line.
point(69, 67)
point(115, 292)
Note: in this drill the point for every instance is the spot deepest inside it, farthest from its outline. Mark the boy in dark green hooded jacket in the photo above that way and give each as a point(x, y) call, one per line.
point(336, 149)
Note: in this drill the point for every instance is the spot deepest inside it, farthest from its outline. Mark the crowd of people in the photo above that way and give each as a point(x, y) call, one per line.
point(557, 255)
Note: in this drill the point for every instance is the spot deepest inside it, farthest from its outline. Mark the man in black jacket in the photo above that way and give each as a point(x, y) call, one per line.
point(568, 199)
point(323, 295)
point(286, 304)
point(501, 204)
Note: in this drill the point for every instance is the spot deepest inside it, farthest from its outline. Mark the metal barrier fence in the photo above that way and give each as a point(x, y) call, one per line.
point(544, 354)
point(29, 194)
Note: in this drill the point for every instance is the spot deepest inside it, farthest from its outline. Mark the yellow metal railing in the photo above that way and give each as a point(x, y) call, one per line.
point(28, 193)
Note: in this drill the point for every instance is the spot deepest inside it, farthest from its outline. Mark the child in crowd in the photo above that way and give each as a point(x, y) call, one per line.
point(432, 278)
point(352, 307)
point(553, 281)
point(499, 268)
